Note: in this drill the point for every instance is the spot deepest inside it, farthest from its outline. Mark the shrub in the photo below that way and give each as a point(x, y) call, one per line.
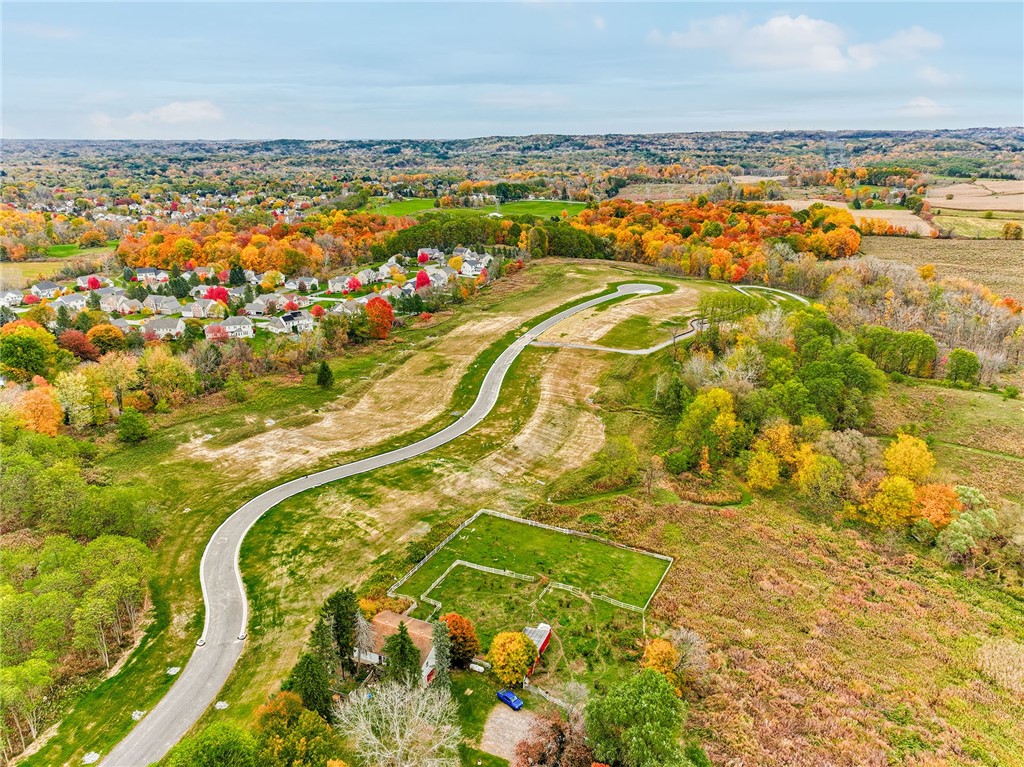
point(132, 426)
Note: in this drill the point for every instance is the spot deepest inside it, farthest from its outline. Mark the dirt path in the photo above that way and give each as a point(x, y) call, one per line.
point(504, 730)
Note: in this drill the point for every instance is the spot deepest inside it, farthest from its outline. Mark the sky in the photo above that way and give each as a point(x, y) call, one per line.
point(262, 70)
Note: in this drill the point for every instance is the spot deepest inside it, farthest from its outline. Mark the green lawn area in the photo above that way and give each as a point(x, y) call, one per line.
point(414, 206)
point(974, 224)
point(639, 332)
point(67, 251)
point(587, 564)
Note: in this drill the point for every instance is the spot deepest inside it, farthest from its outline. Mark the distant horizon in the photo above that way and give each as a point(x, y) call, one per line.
point(341, 71)
point(231, 140)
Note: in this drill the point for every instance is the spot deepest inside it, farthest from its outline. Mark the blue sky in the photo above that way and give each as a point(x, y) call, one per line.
point(451, 70)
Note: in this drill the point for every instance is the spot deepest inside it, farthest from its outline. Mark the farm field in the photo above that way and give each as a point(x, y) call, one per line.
point(583, 563)
point(983, 194)
point(895, 216)
point(20, 274)
point(997, 264)
point(973, 224)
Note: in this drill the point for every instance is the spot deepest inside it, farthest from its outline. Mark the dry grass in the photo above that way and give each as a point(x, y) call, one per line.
point(998, 264)
point(898, 217)
point(826, 649)
point(18, 275)
point(984, 194)
point(1002, 660)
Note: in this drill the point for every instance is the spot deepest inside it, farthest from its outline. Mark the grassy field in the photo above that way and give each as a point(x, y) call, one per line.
point(19, 274)
point(69, 251)
point(997, 264)
point(415, 206)
point(586, 564)
point(198, 489)
point(975, 224)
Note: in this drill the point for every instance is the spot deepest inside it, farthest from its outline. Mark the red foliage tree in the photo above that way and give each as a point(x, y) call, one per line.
point(31, 298)
point(217, 334)
point(422, 279)
point(381, 317)
point(224, 276)
point(353, 284)
point(217, 293)
point(291, 306)
point(76, 342)
point(94, 283)
point(423, 258)
point(317, 312)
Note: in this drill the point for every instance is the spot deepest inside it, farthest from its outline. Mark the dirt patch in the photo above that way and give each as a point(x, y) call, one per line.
point(563, 433)
point(588, 326)
point(984, 194)
point(418, 391)
point(504, 730)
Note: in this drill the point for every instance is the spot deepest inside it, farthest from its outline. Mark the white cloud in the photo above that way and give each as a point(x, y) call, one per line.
point(787, 42)
point(45, 31)
point(935, 76)
point(922, 106)
point(599, 22)
point(174, 113)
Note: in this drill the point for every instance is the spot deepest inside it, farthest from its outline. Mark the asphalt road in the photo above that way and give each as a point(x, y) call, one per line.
point(227, 610)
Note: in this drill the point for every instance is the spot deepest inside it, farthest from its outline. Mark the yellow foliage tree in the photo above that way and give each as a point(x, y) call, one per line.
point(893, 504)
point(512, 654)
point(763, 470)
point(661, 656)
point(909, 457)
point(39, 409)
point(455, 262)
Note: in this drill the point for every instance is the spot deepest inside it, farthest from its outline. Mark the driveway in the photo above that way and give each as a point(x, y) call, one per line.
point(504, 730)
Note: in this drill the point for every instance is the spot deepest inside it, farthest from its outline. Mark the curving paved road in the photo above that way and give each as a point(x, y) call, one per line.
point(694, 327)
point(227, 610)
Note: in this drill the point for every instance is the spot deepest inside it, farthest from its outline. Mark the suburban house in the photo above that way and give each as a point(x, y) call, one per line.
point(268, 303)
point(339, 284)
point(120, 304)
point(203, 308)
point(385, 624)
point(162, 304)
point(291, 322)
point(122, 324)
point(349, 306)
point(294, 298)
point(45, 289)
point(367, 276)
point(540, 635)
point(10, 297)
point(302, 283)
point(236, 327)
point(74, 302)
point(149, 275)
point(108, 291)
point(165, 327)
point(83, 282)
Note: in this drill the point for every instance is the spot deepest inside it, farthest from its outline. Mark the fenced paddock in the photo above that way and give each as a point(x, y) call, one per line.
point(525, 550)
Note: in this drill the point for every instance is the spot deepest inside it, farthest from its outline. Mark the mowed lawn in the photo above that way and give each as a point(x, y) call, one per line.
point(587, 564)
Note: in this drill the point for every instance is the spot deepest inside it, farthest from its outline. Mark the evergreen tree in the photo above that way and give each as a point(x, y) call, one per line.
point(403, 659)
point(132, 426)
point(342, 607)
point(321, 644)
point(325, 376)
point(309, 681)
point(63, 318)
point(442, 655)
point(236, 276)
point(93, 301)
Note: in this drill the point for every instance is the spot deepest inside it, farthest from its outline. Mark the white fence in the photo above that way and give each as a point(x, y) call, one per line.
point(393, 591)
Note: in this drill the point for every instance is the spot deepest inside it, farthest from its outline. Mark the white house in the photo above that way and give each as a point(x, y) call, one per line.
point(165, 327)
point(302, 283)
point(45, 289)
point(203, 308)
point(149, 275)
point(236, 327)
point(75, 302)
point(299, 321)
point(367, 276)
point(10, 298)
point(83, 281)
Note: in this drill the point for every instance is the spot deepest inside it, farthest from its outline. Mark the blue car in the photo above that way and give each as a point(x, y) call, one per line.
point(510, 699)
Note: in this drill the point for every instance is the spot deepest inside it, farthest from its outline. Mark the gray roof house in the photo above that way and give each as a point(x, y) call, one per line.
point(162, 304)
point(291, 322)
point(165, 327)
point(236, 327)
point(10, 297)
point(45, 289)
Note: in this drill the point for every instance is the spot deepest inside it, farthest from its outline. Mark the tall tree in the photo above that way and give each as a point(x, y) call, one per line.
point(403, 658)
point(637, 724)
point(442, 654)
point(464, 641)
point(309, 681)
point(343, 607)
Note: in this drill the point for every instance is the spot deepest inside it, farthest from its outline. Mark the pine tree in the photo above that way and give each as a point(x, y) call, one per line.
point(321, 644)
point(325, 376)
point(442, 655)
point(309, 681)
point(403, 664)
point(342, 607)
point(236, 276)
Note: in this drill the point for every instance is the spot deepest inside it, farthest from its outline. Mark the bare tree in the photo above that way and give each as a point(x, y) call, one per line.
point(399, 726)
point(364, 635)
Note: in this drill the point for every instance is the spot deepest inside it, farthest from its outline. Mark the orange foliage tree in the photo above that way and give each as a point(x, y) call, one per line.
point(39, 409)
point(381, 316)
point(465, 643)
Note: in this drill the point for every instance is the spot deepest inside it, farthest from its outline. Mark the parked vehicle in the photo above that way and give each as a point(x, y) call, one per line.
point(510, 699)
